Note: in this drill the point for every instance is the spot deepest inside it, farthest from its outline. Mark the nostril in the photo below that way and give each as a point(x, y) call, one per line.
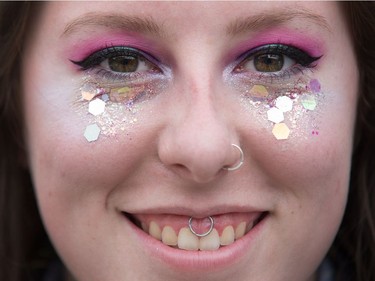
point(197, 147)
point(195, 173)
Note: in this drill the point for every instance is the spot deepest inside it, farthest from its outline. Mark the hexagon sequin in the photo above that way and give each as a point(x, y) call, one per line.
point(88, 95)
point(308, 102)
point(96, 107)
point(258, 91)
point(281, 131)
point(275, 115)
point(92, 132)
point(88, 92)
point(315, 85)
point(284, 103)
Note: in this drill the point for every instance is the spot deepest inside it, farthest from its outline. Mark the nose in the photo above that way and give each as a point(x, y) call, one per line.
point(197, 141)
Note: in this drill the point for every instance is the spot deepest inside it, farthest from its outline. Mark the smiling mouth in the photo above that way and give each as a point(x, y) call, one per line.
point(174, 231)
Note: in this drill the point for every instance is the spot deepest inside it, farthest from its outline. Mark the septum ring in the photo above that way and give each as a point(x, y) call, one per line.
point(240, 162)
point(201, 234)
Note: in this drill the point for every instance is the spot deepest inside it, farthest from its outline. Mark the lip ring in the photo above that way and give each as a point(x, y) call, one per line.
point(187, 262)
point(201, 234)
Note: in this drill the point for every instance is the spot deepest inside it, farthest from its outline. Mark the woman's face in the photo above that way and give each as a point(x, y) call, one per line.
point(131, 112)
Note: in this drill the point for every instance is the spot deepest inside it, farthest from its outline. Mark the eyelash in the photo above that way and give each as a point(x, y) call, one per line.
point(93, 61)
point(302, 60)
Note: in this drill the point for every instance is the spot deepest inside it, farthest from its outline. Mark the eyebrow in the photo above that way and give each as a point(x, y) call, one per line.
point(115, 21)
point(149, 26)
point(267, 19)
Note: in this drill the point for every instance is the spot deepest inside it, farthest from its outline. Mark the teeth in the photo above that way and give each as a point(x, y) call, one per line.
point(227, 237)
point(155, 230)
point(210, 242)
point(168, 236)
point(144, 226)
point(249, 227)
point(240, 230)
point(187, 240)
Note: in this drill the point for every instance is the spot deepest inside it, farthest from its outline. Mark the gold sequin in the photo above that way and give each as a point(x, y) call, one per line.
point(281, 131)
point(259, 91)
point(124, 93)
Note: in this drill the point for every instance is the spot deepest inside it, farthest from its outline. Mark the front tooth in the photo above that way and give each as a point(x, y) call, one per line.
point(155, 230)
point(210, 242)
point(240, 230)
point(168, 236)
point(187, 240)
point(227, 237)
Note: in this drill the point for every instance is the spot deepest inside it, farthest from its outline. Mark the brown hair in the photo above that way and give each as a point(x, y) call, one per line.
point(354, 246)
point(24, 247)
point(21, 230)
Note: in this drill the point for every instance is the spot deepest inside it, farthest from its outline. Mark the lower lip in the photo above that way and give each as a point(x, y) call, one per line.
point(186, 261)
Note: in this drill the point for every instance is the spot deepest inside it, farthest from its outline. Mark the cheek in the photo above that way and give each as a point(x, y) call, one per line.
point(287, 110)
point(112, 108)
point(68, 171)
point(299, 131)
point(309, 167)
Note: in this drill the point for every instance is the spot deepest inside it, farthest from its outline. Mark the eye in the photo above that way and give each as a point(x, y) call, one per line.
point(119, 59)
point(127, 64)
point(274, 58)
point(269, 63)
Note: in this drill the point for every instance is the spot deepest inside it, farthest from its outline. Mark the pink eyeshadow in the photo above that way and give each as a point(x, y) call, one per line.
point(308, 43)
point(85, 47)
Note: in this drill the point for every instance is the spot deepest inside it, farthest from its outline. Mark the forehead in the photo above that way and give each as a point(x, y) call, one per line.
point(169, 19)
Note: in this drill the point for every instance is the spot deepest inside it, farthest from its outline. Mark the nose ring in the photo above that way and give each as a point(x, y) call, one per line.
point(201, 234)
point(240, 161)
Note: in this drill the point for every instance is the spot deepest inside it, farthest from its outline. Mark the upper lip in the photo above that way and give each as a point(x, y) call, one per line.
point(185, 261)
point(193, 212)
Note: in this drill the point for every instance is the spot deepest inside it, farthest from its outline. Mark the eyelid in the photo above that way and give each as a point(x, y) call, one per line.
point(301, 57)
point(98, 57)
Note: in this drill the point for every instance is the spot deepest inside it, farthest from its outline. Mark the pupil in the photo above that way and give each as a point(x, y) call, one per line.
point(123, 64)
point(269, 62)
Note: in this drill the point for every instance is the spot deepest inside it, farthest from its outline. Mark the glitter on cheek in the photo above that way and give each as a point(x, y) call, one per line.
point(124, 93)
point(308, 102)
point(258, 91)
point(105, 97)
point(284, 103)
point(110, 108)
point(88, 95)
point(106, 117)
point(96, 107)
point(289, 109)
point(281, 131)
point(92, 132)
point(88, 92)
point(315, 85)
point(275, 115)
